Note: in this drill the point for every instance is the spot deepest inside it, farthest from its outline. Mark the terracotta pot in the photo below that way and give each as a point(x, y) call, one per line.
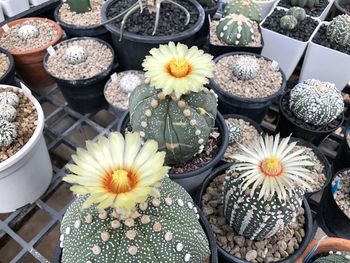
point(29, 63)
point(326, 245)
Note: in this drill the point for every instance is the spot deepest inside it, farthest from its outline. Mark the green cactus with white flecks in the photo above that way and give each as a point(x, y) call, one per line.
point(288, 22)
point(298, 12)
point(335, 257)
point(243, 7)
point(181, 126)
point(316, 102)
point(79, 6)
point(338, 31)
point(163, 229)
point(246, 67)
point(236, 30)
point(305, 3)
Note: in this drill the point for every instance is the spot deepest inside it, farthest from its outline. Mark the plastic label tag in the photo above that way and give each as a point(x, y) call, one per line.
point(26, 90)
point(6, 28)
point(114, 77)
point(335, 187)
point(51, 50)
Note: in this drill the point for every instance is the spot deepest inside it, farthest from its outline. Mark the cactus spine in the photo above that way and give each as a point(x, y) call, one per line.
point(246, 8)
point(288, 22)
point(305, 3)
point(338, 31)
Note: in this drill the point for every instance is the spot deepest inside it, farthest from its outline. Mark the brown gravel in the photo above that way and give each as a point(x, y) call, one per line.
point(83, 19)
point(249, 133)
point(25, 122)
point(13, 42)
point(273, 249)
point(4, 64)
point(215, 41)
point(342, 196)
point(267, 82)
point(99, 58)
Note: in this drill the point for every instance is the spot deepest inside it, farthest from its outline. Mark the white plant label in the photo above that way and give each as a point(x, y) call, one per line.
point(26, 90)
point(114, 77)
point(51, 50)
point(6, 28)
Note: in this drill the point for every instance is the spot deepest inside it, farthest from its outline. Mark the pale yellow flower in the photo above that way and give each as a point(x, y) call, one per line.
point(117, 173)
point(178, 69)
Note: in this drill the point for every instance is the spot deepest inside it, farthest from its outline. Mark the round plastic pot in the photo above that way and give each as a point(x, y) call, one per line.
point(335, 221)
point(118, 112)
point(254, 109)
point(286, 126)
point(9, 75)
point(133, 48)
point(29, 63)
point(224, 256)
point(342, 160)
point(192, 180)
point(85, 95)
point(82, 31)
point(26, 175)
point(339, 5)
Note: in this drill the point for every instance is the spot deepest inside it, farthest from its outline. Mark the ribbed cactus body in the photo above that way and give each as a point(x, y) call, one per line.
point(163, 229)
point(246, 67)
point(253, 218)
point(338, 31)
point(246, 8)
point(79, 6)
point(180, 126)
point(288, 22)
point(344, 257)
point(305, 3)
point(316, 102)
point(298, 12)
point(235, 30)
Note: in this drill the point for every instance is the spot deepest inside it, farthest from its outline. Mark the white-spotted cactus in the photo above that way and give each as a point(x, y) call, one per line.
point(7, 112)
point(246, 8)
point(338, 30)
point(288, 22)
point(316, 102)
point(235, 30)
point(28, 31)
point(10, 98)
point(129, 81)
point(298, 12)
point(263, 190)
point(246, 67)
point(234, 133)
point(8, 133)
point(75, 54)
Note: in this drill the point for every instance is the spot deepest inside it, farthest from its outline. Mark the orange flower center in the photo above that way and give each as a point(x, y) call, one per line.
point(120, 181)
point(271, 167)
point(179, 68)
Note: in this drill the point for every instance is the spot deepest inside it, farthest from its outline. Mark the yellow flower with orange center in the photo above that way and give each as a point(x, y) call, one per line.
point(178, 69)
point(117, 172)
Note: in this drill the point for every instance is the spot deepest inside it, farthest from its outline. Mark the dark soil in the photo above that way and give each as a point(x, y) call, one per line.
point(302, 32)
point(172, 19)
point(321, 39)
point(347, 8)
point(292, 118)
point(315, 11)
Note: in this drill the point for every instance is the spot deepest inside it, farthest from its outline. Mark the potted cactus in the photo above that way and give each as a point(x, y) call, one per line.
point(128, 210)
point(255, 204)
point(177, 111)
point(311, 111)
point(329, 46)
point(7, 67)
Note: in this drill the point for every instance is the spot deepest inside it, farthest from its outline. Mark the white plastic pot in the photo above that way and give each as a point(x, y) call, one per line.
point(325, 12)
point(266, 7)
point(37, 2)
point(26, 175)
point(326, 64)
point(14, 7)
point(2, 18)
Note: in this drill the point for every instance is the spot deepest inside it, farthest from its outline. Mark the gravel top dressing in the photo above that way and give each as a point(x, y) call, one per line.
point(302, 31)
point(215, 41)
point(4, 64)
point(342, 196)
point(90, 18)
point(98, 58)
point(315, 11)
point(12, 41)
point(25, 123)
point(275, 248)
point(266, 83)
point(172, 19)
point(321, 39)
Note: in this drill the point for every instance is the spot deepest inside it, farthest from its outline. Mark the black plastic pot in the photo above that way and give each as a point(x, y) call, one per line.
point(339, 5)
point(286, 125)
point(82, 31)
point(224, 256)
point(133, 48)
point(254, 109)
point(343, 156)
point(336, 223)
point(253, 123)
point(9, 75)
point(85, 95)
point(192, 180)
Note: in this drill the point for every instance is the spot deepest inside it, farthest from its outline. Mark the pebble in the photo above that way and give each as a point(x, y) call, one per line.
point(251, 255)
point(342, 196)
point(4, 64)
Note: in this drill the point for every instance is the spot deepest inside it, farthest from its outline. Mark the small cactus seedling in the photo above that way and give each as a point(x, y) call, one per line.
point(8, 133)
point(288, 22)
point(338, 31)
point(129, 82)
point(75, 54)
point(10, 98)
point(7, 112)
point(246, 67)
point(235, 30)
point(305, 3)
point(79, 6)
point(298, 12)
point(246, 8)
point(234, 133)
point(28, 31)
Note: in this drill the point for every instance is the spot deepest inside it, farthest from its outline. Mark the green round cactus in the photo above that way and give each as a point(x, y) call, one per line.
point(305, 3)
point(288, 22)
point(181, 126)
point(246, 8)
point(246, 67)
point(235, 30)
point(316, 102)
point(162, 229)
point(338, 31)
point(337, 257)
point(298, 12)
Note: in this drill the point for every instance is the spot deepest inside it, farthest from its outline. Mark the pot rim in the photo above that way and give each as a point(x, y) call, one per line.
point(11, 60)
point(246, 119)
point(341, 8)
